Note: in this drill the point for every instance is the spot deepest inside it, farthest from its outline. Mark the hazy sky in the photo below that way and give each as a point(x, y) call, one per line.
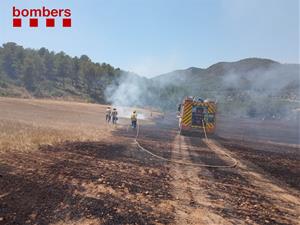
point(151, 37)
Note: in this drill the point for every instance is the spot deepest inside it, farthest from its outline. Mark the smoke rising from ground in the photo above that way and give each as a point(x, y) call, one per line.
point(127, 92)
point(270, 92)
point(248, 88)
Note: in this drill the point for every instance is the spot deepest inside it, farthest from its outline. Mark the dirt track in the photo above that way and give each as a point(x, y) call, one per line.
point(262, 189)
point(113, 182)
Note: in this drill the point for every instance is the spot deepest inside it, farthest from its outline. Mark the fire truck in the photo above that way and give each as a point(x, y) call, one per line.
point(197, 115)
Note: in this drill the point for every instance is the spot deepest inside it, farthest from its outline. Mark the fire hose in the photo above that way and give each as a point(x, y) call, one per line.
point(181, 162)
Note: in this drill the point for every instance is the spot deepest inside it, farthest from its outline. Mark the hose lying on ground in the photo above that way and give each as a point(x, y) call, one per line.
point(180, 162)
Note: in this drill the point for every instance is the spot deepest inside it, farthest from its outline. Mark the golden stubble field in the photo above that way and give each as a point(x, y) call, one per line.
point(25, 124)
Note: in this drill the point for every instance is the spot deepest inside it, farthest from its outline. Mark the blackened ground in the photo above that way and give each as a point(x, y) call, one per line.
point(285, 131)
point(279, 161)
point(60, 182)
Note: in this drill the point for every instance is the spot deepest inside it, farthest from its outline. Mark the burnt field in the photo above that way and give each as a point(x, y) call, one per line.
point(263, 188)
point(82, 183)
point(104, 178)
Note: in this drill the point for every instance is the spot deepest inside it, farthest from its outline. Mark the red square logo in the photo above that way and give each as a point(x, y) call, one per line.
point(33, 22)
point(67, 22)
point(17, 22)
point(50, 22)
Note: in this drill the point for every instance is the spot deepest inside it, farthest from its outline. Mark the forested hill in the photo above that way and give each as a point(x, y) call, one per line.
point(46, 74)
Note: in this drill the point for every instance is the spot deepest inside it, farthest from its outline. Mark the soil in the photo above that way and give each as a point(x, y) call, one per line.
point(114, 182)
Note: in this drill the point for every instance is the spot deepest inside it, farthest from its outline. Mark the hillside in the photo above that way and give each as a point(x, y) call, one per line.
point(246, 74)
point(220, 68)
point(46, 74)
point(253, 86)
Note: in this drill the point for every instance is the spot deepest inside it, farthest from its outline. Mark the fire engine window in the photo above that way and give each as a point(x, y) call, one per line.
point(198, 113)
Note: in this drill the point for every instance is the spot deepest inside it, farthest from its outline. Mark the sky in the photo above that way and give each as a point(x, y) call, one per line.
point(151, 37)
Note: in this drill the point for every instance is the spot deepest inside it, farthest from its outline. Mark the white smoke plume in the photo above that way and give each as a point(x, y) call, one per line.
point(264, 92)
point(127, 94)
point(243, 89)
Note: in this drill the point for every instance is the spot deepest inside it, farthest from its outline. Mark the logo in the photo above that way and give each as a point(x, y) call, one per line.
point(33, 17)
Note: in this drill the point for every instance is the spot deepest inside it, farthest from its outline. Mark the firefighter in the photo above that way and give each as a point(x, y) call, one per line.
point(133, 119)
point(114, 115)
point(108, 114)
point(179, 110)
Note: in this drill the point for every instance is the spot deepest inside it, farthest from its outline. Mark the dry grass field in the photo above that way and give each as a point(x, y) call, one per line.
point(27, 124)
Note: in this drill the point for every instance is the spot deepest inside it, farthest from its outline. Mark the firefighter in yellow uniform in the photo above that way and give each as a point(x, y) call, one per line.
point(133, 119)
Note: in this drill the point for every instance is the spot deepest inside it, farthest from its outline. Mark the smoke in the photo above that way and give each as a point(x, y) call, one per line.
point(270, 92)
point(271, 80)
point(126, 94)
point(250, 88)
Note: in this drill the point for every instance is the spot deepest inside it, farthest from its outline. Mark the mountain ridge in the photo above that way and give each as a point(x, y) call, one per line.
point(215, 66)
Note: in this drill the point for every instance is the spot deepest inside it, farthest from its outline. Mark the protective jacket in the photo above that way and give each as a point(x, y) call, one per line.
point(133, 117)
point(108, 112)
point(114, 113)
